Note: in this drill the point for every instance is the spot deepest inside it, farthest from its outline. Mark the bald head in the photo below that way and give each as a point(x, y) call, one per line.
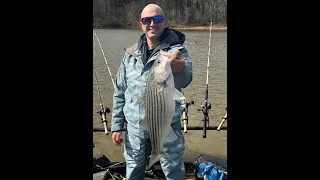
point(151, 9)
point(152, 28)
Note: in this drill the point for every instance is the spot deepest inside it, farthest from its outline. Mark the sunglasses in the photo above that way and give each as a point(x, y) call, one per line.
point(156, 19)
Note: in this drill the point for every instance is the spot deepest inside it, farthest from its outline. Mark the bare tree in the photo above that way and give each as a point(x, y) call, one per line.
point(126, 13)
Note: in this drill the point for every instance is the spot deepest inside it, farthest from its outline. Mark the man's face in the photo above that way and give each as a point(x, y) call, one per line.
point(153, 24)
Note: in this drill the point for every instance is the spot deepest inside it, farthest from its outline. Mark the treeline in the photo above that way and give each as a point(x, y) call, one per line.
point(126, 13)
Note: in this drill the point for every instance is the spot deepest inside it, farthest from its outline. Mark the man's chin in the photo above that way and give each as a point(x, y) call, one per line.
point(153, 33)
point(152, 36)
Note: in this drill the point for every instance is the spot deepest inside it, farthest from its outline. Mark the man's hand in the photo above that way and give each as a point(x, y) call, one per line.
point(116, 138)
point(178, 64)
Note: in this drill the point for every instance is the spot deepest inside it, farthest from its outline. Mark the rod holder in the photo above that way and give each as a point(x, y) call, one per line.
point(184, 116)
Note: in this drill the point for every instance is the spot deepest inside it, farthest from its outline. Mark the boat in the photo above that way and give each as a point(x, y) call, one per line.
point(104, 169)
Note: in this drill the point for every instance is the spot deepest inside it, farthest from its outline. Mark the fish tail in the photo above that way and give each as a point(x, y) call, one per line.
point(154, 158)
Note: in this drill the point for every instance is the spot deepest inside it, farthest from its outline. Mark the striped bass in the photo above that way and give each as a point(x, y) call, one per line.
point(159, 104)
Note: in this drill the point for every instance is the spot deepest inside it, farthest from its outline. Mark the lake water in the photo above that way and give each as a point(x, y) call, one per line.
point(113, 42)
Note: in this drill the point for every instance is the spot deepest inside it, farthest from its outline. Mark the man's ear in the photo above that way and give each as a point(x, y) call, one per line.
point(140, 23)
point(166, 22)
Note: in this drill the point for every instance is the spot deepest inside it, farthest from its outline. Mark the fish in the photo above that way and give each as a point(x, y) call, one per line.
point(158, 100)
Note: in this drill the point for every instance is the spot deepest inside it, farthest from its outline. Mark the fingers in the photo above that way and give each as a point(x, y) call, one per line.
point(175, 53)
point(178, 64)
point(116, 138)
point(181, 60)
point(178, 54)
point(119, 142)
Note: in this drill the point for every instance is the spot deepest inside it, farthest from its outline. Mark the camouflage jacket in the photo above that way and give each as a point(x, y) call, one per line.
point(131, 80)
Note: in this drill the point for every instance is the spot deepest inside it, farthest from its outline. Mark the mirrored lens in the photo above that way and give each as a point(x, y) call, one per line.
point(146, 20)
point(156, 19)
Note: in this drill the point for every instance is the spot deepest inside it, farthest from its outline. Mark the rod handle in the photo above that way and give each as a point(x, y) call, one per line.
point(183, 117)
point(104, 123)
point(224, 118)
point(204, 131)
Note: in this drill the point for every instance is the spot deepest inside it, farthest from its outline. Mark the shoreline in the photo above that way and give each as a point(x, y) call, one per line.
point(220, 28)
point(201, 28)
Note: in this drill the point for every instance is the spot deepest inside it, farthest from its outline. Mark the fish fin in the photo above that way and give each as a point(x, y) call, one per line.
point(141, 98)
point(177, 95)
point(154, 158)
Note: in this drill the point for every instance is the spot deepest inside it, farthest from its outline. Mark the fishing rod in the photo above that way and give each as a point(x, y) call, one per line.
point(206, 105)
point(103, 111)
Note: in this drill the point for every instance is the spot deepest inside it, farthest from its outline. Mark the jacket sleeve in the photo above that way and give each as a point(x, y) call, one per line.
point(183, 78)
point(118, 118)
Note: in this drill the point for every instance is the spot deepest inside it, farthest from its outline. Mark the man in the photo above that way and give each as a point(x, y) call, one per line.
point(131, 82)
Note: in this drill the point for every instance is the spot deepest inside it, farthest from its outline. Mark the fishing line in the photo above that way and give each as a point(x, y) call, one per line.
point(105, 59)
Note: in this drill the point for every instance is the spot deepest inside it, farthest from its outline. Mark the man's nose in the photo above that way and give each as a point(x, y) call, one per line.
point(152, 23)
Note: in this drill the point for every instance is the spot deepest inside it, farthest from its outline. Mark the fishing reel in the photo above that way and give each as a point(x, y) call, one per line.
point(186, 105)
point(205, 108)
point(103, 112)
point(184, 116)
